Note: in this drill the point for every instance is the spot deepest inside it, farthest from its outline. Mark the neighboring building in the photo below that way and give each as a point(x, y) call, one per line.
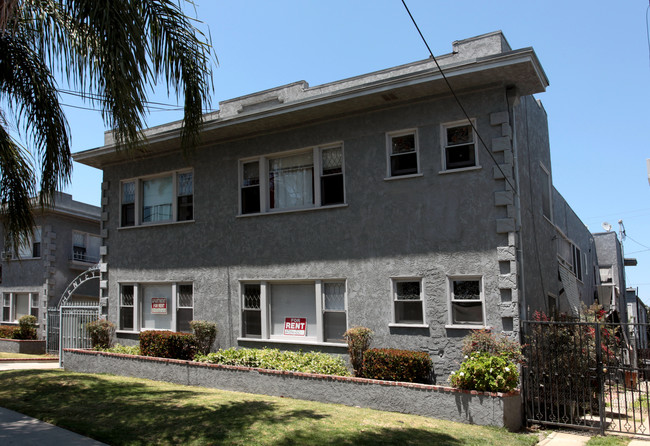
point(637, 314)
point(367, 201)
point(65, 242)
point(611, 271)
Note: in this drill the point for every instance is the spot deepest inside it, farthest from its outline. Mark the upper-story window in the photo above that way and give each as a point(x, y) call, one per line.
point(159, 199)
point(299, 180)
point(403, 158)
point(29, 248)
point(459, 146)
point(85, 247)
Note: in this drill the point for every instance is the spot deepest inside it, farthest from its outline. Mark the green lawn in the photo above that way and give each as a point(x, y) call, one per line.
point(4, 355)
point(128, 411)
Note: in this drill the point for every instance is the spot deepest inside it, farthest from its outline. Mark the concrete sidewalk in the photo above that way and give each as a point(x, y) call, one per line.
point(18, 365)
point(18, 429)
point(569, 439)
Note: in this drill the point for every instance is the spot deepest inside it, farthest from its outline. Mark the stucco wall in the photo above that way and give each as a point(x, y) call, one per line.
point(430, 226)
point(482, 408)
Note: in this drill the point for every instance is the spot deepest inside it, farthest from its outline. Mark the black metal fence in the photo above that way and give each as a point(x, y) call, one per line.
point(590, 375)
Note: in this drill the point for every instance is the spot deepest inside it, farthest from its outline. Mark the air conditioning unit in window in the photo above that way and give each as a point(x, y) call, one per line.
point(7, 255)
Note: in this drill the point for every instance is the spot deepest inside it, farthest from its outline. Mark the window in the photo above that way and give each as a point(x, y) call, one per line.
point(459, 146)
point(577, 262)
point(547, 207)
point(85, 247)
point(127, 313)
point(160, 199)
point(402, 153)
point(251, 311)
point(17, 305)
point(334, 314)
point(408, 301)
point(156, 306)
point(29, 248)
point(313, 311)
point(466, 302)
point(299, 180)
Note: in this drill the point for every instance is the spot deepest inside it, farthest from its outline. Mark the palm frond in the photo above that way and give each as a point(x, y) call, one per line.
point(27, 84)
point(17, 187)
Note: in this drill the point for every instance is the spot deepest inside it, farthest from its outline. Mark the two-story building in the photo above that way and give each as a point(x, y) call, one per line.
point(369, 201)
point(65, 241)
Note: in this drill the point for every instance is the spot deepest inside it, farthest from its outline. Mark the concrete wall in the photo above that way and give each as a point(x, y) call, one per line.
point(28, 347)
point(429, 226)
point(482, 408)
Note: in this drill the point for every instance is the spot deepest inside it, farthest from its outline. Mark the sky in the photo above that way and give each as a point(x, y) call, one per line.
point(595, 54)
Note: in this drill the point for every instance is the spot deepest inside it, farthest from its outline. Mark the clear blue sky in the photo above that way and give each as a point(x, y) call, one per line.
point(595, 54)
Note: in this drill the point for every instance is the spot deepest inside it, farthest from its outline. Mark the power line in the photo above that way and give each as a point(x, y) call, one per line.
point(458, 100)
point(647, 30)
point(150, 104)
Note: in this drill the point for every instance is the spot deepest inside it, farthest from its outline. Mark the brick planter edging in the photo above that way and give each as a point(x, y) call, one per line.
point(468, 406)
point(26, 346)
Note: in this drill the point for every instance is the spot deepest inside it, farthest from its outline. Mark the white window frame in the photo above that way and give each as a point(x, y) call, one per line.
point(263, 165)
point(34, 308)
point(393, 297)
point(549, 186)
point(138, 303)
point(86, 236)
point(34, 238)
point(390, 155)
point(265, 311)
point(578, 269)
point(444, 146)
point(451, 300)
point(138, 200)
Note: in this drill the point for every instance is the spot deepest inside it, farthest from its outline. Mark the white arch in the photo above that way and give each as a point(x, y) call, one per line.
point(90, 274)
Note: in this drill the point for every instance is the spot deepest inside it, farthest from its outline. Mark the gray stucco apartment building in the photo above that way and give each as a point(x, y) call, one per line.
point(368, 201)
point(64, 243)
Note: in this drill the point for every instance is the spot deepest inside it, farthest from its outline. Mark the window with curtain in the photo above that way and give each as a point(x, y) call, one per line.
point(157, 199)
point(291, 181)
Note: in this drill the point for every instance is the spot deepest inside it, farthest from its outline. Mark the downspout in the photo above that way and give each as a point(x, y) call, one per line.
point(511, 95)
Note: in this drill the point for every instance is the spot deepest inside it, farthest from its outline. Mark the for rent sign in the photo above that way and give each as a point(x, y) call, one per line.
point(158, 305)
point(295, 326)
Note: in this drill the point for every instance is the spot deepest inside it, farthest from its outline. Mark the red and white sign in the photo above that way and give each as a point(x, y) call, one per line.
point(158, 305)
point(295, 326)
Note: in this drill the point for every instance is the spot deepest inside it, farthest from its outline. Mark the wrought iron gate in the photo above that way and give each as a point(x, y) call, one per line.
point(66, 323)
point(72, 330)
point(587, 375)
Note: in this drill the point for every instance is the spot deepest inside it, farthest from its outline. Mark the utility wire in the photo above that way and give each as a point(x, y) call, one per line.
point(97, 97)
point(458, 100)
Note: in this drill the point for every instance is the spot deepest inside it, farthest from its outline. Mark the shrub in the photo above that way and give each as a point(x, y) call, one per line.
point(397, 365)
point(26, 327)
point(168, 344)
point(358, 342)
point(124, 349)
point(485, 341)
point(205, 333)
point(101, 333)
point(274, 359)
point(487, 372)
point(8, 331)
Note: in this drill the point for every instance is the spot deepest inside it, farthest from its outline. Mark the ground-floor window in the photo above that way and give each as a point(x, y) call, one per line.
point(466, 302)
point(17, 305)
point(313, 311)
point(408, 301)
point(156, 306)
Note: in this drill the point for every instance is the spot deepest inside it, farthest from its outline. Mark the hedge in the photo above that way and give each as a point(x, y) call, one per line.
point(168, 344)
point(8, 331)
point(397, 365)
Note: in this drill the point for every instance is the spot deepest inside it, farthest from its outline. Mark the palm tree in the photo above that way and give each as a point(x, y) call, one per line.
point(110, 50)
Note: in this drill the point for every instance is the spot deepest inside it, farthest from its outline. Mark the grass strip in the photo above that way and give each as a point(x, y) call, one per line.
point(128, 411)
